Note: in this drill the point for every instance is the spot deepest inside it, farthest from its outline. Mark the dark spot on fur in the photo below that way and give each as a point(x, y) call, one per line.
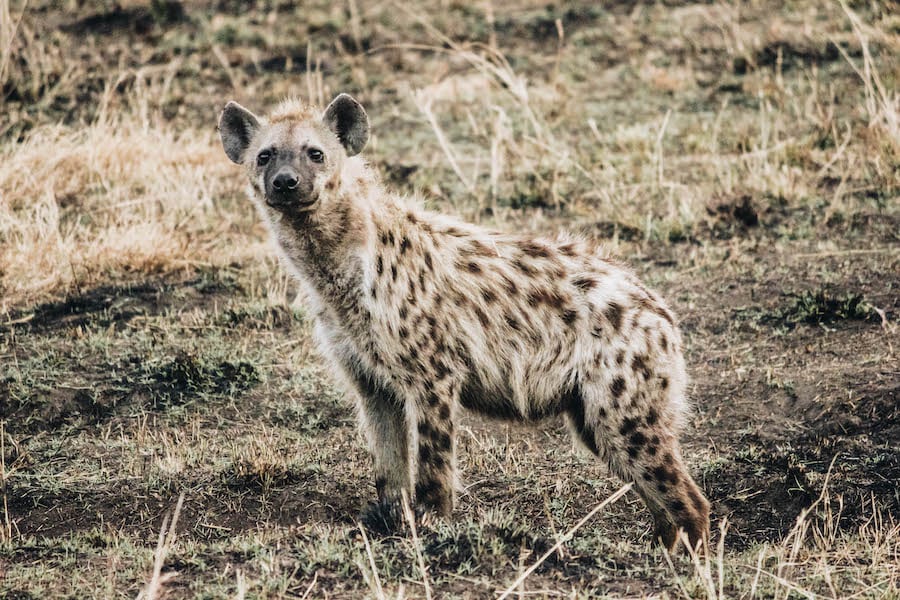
point(663, 342)
point(390, 238)
point(524, 267)
point(482, 316)
point(433, 399)
point(613, 313)
point(374, 291)
point(443, 440)
point(652, 416)
point(403, 332)
point(620, 357)
point(676, 505)
point(664, 382)
point(573, 403)
point(424, 453)
point(471, 266)
point(585, 283)
point(428, 261)
point(379, 265)
point(637, 439)
point(427, 491)
point(628, 425)
point(568, 249)
point(394, 272)
point(510, 286)
point(402, 313)
point(489, 296)
point(513, 322)
point(543, 296)
point(411, 218)
point(534, 249)
point(617, 387)
point(665, 475)
point(569, 315)
point(444, 412)
point(425, 429)
point(477, 247)
point(639, 364)
point(404, 245)
point(665, 315)
point(441, 371)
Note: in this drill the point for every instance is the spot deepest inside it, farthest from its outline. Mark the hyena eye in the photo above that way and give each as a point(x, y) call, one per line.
point(263, 157)
point(315, 155)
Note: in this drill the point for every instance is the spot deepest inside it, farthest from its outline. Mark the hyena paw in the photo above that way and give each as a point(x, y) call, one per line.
point(383, 517)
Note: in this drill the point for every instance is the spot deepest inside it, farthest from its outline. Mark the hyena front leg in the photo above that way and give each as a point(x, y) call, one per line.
point(436, 448)
point(384, 421)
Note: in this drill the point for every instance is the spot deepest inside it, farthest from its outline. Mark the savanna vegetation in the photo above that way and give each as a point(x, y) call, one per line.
point(168, 430)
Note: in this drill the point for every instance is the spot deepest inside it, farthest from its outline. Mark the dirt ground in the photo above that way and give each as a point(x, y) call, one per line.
point(127, 383)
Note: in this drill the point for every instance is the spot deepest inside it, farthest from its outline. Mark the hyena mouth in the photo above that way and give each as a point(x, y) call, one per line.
point(287, 201)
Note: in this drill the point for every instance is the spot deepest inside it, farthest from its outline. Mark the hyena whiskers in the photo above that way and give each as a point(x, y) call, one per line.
point(423, 314)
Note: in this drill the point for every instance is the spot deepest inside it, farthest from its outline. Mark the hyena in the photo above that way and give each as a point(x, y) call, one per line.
point(423, 314)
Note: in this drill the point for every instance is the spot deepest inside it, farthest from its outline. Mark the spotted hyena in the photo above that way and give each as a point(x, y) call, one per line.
point(423, 314)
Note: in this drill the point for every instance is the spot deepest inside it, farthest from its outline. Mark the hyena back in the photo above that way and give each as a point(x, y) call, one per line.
point(424, 314)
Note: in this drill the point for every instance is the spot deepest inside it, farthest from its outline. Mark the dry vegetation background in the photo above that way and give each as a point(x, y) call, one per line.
point(167, 429)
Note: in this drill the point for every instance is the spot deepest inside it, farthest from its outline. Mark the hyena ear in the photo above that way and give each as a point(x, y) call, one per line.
point(349, 122)
point(237, 126)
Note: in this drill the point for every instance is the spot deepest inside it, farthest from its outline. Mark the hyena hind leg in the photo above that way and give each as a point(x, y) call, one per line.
point(641, 449)
point(669, 491)
point(436, 450)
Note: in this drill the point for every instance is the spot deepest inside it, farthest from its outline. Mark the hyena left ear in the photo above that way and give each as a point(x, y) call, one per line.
point(237, 126)
point(349, 122)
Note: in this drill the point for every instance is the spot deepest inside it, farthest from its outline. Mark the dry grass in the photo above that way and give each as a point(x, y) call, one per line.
point(649, 127)
point(87, 204)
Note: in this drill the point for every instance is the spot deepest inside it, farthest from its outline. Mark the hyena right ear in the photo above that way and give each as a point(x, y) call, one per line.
point(237, 126)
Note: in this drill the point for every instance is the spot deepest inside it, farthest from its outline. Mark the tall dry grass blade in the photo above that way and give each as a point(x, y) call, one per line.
point(6, 538)
point(423, 103)
point(565, 538)
point(164, 544)
point(882, 106)
point(9, 28)
point(315, 579)
point(417, 544)
point(379, 591)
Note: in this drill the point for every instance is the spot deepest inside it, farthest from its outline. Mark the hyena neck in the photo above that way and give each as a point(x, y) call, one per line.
point(325, 247)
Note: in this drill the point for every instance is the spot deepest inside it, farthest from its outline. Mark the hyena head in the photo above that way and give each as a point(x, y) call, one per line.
point(294, 157)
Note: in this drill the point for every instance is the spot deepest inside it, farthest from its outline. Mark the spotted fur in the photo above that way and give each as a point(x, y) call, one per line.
point(423, 314)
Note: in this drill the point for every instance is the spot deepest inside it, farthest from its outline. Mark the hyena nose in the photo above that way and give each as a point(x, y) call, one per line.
point(285, 181)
